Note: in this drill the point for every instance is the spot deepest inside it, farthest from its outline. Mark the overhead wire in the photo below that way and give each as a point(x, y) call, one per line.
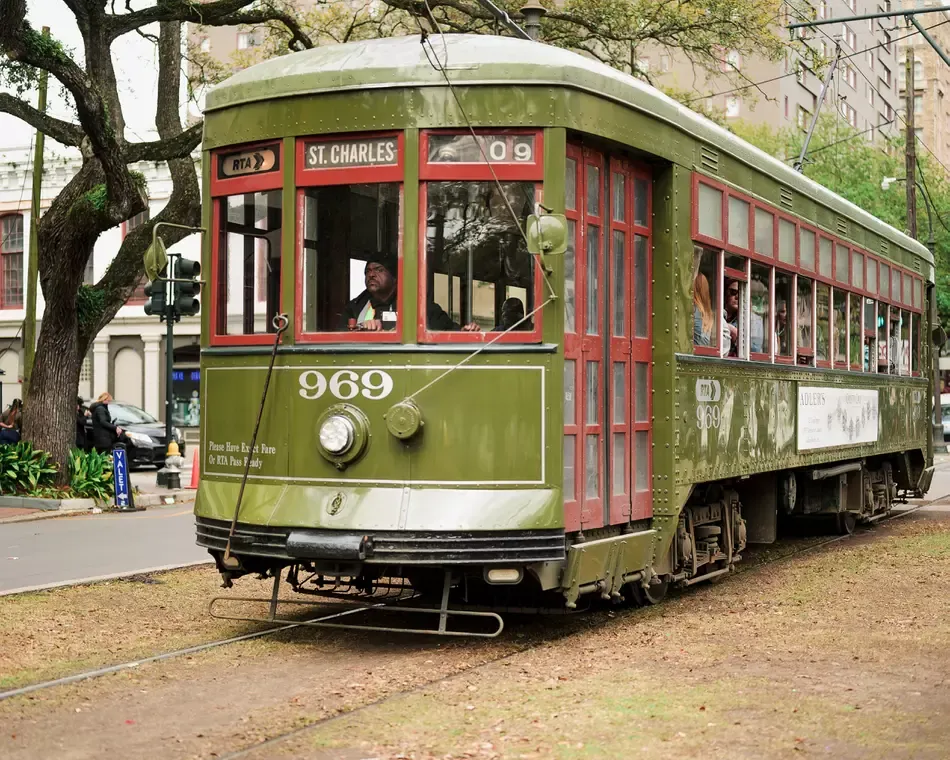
point(437, 65)
point(849, 56)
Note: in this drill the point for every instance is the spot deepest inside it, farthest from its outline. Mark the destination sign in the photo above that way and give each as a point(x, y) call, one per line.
point(257, 161)
point(499, 149)
point(345, 154)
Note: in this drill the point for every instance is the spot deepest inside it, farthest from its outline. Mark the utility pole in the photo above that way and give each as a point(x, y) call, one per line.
point(29, 323)
point(910, 148)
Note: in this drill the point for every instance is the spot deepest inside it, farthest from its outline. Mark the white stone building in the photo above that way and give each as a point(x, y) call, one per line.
point(128, 356)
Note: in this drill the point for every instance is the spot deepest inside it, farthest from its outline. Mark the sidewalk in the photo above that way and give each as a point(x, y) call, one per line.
point(148, 495)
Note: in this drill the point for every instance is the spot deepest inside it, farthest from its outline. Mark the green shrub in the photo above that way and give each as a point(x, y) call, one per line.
point(90, 475)
point(24, 469)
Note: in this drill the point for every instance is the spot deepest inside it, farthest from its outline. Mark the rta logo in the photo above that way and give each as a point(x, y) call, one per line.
point(708, 391)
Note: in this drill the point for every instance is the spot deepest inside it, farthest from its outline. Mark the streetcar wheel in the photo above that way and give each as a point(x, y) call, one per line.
point(654, 594)
point(846, 523)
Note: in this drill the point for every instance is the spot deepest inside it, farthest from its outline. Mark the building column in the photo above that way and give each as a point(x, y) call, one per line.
point(100, 365)
point(153, 375)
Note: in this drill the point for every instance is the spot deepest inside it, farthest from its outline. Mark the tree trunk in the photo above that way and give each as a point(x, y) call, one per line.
point(53, 389)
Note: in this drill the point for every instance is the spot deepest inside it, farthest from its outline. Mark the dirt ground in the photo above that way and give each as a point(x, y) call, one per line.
point(839, 653)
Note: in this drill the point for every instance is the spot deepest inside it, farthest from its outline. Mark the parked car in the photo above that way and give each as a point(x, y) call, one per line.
point(147, 445)
point(945, 412)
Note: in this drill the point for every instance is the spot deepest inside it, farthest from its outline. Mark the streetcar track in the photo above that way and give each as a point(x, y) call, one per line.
point(623, 615)
point(197, 648)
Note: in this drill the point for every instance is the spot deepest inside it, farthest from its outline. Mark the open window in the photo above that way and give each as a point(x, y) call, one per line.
point(348, 272)
point(477, 278)
point(247, 236)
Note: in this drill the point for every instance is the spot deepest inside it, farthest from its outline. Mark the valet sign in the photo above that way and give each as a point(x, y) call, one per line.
point(346, 154)
point(829, 417)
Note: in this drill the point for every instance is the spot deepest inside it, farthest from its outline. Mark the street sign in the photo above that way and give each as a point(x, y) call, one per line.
point(256, 161)
point(124, 500)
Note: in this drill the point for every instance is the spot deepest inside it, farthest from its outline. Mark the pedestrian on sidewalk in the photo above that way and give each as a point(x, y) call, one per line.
point(82, 414)
point(104, 431)
point(10, 422)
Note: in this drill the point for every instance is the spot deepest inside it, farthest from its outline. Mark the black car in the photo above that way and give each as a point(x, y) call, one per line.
point(146, 443)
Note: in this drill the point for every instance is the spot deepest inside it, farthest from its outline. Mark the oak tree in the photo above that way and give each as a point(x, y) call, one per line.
point(106, 190)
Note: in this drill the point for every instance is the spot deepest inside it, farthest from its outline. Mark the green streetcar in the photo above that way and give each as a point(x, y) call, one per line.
point(521, 327)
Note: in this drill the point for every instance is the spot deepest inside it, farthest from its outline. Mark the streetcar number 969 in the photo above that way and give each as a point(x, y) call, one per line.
point(708, 416)
point(345, 384)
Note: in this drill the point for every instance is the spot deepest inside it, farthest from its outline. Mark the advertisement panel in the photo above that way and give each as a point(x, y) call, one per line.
point(829, 417)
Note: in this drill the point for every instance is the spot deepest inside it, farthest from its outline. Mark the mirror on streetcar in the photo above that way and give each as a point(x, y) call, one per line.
point(547, 234)
point(939, 336)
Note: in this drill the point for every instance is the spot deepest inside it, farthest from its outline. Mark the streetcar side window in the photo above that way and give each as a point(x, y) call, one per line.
point(804, 317)
point(350, 249)
point(248, 266)
point(480, 274)
point(705, 297)
point(760, 297)
point(793, 293)
point(870, 332)
point(783, 314)
point(823, 322)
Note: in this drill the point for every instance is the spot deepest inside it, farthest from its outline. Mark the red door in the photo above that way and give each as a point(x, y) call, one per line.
point(607, 405)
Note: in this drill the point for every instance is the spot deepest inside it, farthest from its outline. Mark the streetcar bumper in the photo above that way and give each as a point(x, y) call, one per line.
point(430, 548)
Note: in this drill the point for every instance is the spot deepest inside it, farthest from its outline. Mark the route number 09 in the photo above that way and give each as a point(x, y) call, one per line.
point(345, 384)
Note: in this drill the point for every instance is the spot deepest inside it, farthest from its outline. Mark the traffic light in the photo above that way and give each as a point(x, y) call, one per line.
point(155, 293)
point(186, 293)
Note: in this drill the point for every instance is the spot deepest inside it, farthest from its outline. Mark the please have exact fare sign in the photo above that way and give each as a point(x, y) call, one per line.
point(343, 154)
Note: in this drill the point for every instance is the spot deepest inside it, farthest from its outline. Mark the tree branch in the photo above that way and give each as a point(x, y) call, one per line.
point(178, 146)
point(61, 131)
point(217, 13)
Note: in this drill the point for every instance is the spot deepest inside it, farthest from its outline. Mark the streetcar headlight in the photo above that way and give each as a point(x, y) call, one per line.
point(337, 434)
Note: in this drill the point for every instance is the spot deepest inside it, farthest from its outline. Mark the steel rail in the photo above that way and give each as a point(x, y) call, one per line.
point(167, 656)
point(274, 740)
point(259, 634)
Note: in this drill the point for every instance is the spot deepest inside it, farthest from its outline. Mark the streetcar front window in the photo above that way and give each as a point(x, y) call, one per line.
point(248, 263)
point(480, 274)
point(350, 254)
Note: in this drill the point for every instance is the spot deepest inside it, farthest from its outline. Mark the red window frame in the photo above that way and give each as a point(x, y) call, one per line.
point(635, 501)
point(572, 346)
point(881, 293)
point(5, 252)
point(221, 189)
point(475, 172)
point(718, 306)
point(302, 336)
point(509, 171)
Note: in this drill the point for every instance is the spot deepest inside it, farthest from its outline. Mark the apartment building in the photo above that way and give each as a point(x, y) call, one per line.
point(864, 90)
point(931, 81)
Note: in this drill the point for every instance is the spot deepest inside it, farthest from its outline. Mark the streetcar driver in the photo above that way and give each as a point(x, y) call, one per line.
point(375, 308)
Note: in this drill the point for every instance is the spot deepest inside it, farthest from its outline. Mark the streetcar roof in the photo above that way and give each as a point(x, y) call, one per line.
point(494, 60)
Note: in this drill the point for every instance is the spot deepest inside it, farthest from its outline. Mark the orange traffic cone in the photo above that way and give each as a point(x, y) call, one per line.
point(195, 474)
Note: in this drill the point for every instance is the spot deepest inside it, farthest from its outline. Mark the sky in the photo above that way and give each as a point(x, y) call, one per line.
point(136, 64)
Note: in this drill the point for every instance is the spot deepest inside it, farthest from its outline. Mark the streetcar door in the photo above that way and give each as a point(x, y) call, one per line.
point(607, 342)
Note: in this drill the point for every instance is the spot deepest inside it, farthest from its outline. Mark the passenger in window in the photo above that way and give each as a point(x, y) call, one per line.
point(375, 308)
point(703, 322)
point(730, 315)
point(781, 328)
point(512, 311)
